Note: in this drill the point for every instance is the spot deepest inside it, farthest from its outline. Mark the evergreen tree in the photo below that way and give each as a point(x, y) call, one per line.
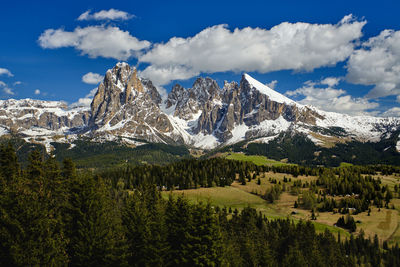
point(9, 166)
point(30, 226)
point(144, 222)
point(95, 230)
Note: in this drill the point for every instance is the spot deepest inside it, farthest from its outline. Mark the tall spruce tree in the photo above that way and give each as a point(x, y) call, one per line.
point(9, 166)
point(35, 236)
point(144, 223)
point(95, 231)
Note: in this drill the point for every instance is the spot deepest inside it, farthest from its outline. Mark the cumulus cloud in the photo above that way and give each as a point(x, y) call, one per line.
point(377, 63)
point(17, 83)
point(111, 14)
point(272, 84)
point(287, 46)
point(95, 41)
point(393, 112)
point(4, 71)
point(92, 78)
point(331, 81)
point(8, 91)
point(37, 92)
point(85, 101)
point(332, 99)
point(163, 75)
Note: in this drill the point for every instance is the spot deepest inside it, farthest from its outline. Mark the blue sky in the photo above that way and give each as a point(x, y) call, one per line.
point(337, 55)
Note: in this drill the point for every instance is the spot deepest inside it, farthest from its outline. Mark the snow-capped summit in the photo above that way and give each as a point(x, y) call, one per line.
point(272, 94)
point(204, 116)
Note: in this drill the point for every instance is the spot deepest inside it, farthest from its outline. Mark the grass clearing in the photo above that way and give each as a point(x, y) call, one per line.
point(258, 160)
point(385, 223)
point(235, 197)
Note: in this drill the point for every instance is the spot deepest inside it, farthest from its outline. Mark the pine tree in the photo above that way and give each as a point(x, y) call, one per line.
point(28, 218)
point(205, 237)
point(144, 222)
point(95, 230)
point(9, 166)
point(178, 219)
point(68, 170)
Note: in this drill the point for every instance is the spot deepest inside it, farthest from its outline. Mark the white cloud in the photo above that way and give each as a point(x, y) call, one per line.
point(95, 41)
point(163, 75)
point(4, 71)
point(112, 14)
point(92, 78)
point(287, 46)
point(8, 91)
point(85, 101)
point(377, 63)
point(331, 81)
point(393, 112)
point(398, 98)
point(332, 99)
point(37, 92)
point(272, 84)
point(17, 83)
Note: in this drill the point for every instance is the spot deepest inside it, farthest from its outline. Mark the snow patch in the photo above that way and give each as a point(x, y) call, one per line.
point(205, 141)
point(272, 94)
point(3, 131)
point(365, 128)
point(265, 140)
point(398, 144)
point(238, 134)
point(274, 126)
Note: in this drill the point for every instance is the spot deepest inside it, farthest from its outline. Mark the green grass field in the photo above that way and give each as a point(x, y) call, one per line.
point(237, 198)
point(384, 223)
point(258, 160)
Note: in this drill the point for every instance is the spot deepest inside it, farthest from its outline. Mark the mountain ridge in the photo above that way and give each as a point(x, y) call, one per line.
point(203, 116)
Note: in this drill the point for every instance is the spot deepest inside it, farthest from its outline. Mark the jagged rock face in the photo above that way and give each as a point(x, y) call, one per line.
point(257, 107)
point(222, 110)
point(176, 95)
point(152, 91)
point(126, 105)
point(22, 115)
point(194, 100)
point(129, 106)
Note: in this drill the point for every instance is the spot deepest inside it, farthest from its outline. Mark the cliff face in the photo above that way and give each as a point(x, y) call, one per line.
point(126, 105)
point(204, 116)
point(241, 104)
point(21, 116)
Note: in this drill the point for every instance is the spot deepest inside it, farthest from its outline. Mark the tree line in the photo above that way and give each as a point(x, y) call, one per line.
point(55, 215)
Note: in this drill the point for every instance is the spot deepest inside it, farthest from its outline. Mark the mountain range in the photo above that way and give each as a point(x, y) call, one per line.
point(129, 109)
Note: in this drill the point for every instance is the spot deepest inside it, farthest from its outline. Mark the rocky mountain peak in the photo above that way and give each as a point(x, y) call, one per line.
point(127, 106)
point(177, 94)
point(205, 89)
point(120, 86)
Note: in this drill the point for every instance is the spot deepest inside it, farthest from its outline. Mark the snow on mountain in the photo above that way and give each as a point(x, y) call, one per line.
point(366, 128)
point(3, 131)
point(398, 144)
point(238, 134)
point(272, 94)
point(127, 107)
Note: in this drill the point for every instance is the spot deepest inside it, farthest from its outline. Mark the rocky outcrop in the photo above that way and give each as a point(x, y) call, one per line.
point(23, 115)
point(126, 105)
point(222, 110)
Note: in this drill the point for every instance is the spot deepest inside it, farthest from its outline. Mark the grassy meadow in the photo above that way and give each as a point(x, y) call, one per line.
point(385, 223)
